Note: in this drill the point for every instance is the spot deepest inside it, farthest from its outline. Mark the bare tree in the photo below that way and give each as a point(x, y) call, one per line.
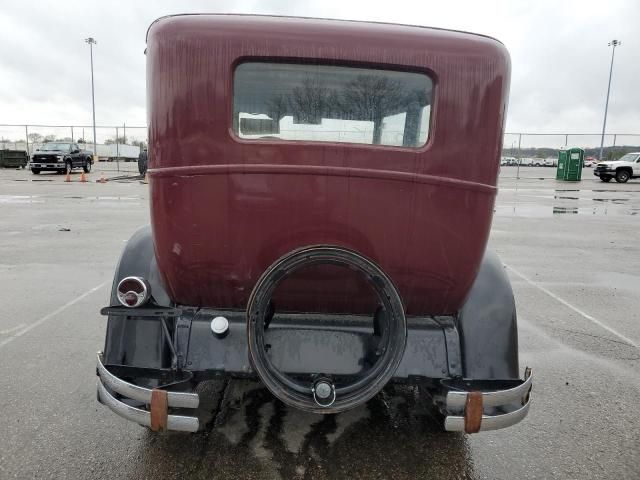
point(311, 102)
point(111, 141)
point(277, 107)
point(370, 97)
point(35, 137)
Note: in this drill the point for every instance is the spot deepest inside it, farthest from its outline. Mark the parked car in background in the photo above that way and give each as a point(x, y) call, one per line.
point(550, 162)
point(623, 169)
point(60, 157)
point(508, 161)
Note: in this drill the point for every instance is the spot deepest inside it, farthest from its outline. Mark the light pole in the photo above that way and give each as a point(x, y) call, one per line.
point(91, 41)
point(614, 44)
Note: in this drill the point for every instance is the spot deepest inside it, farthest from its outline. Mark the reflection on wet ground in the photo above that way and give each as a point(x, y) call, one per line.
point(45, 198)
point(20, 199)
point(252, 435)
point(531, 201)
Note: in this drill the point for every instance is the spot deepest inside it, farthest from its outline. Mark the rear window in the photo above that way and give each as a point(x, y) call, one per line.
point(327, 103)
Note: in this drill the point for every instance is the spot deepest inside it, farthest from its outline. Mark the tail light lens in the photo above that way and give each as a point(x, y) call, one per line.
point(133, 292)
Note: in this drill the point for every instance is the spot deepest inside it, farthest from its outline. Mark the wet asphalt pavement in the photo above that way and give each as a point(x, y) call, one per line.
point(572, 251)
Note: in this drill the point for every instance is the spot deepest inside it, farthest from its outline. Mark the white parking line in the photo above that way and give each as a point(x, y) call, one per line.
point(48, 316)
point(575, 309)
point(12, 329)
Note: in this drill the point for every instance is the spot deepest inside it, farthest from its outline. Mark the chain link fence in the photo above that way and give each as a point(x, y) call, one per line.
point(117, 146)
point(121, 144)
point(544, 145)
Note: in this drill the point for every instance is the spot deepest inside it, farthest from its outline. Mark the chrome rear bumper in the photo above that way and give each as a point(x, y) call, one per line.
point(161, 420)
point(472, 405)
point(466, 409)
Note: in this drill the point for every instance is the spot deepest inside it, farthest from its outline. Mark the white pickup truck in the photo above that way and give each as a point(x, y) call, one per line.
point(626, 167)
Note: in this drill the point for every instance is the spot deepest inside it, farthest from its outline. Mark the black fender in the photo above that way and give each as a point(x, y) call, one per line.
point(138, 343)
point(487, 325)
point(138, 259)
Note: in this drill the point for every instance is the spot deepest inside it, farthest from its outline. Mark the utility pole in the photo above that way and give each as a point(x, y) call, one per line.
point(614, 44)
point(91, 41)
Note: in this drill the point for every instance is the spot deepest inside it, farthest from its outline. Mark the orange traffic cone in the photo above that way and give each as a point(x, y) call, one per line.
point(83, 178)
point(68, 179)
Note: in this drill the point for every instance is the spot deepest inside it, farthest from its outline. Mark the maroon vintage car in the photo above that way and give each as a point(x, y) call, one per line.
point(321, 197)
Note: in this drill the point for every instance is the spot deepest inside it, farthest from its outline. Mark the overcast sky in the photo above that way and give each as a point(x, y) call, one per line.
point(560, 58)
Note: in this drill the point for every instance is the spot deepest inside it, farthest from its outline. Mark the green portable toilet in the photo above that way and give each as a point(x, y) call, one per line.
point(570, 163)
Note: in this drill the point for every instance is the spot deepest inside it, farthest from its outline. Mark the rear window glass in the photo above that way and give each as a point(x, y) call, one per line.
point(326, 103)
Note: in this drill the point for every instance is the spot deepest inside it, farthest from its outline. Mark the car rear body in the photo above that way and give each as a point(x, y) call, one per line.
point(398, 206)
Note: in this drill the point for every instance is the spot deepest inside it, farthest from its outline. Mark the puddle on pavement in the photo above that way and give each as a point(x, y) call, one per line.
point(33, 180)
point(562, 210)
point(618, 201)
point(103, 198)
point(588, 199)
point(106, 199)
point(540, 211)
point(392, 436)
point(20, 199)
point(570, 201)
point(611, 190)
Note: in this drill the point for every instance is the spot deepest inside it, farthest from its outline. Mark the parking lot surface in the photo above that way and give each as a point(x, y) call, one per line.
point(572, 252)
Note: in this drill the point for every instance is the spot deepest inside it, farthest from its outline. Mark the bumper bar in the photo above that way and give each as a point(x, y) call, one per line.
point(157, 417)
point(472, 404)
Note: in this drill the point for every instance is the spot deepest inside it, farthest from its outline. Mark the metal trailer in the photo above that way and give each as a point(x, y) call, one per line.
point(13, 159)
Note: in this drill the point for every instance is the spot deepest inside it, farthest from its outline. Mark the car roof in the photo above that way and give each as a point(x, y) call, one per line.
point(312, 19)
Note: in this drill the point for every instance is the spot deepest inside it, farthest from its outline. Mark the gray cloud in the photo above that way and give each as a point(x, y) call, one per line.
point(559, 53)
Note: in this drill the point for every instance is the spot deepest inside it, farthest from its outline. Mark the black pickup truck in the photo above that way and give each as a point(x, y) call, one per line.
point(61, 158)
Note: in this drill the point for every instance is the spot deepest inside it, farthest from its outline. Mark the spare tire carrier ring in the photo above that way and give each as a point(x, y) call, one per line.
point(302, 394)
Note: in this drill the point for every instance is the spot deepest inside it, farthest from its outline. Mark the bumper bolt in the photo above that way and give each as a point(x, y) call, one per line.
point(324, 392)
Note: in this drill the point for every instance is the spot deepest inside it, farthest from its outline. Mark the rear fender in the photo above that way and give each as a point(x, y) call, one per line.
point(141, 342)
point(138, 259)
point(487, 325)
